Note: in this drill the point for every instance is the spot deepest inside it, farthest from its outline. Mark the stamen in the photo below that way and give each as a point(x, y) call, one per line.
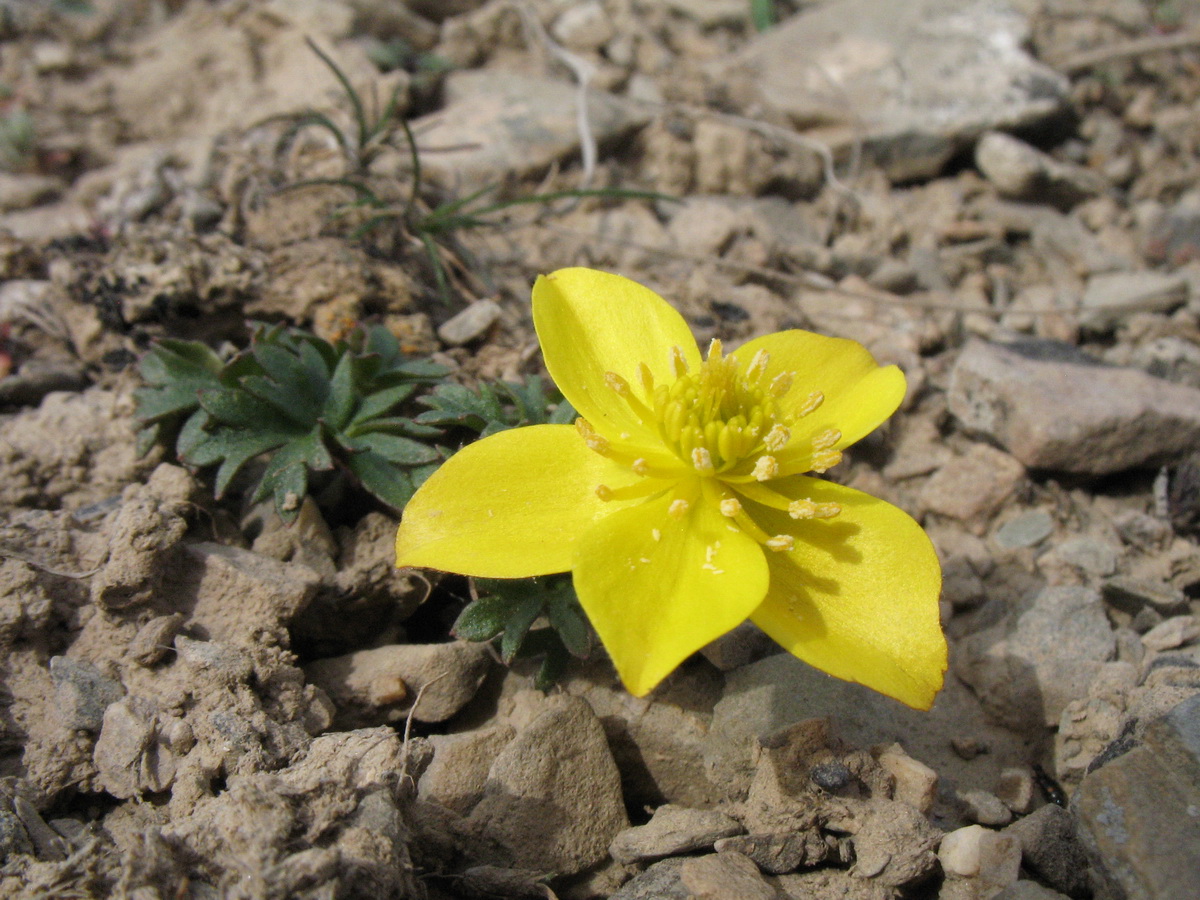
point(678, 508)
point(678, 362)
point(714, 350)
point(758, 366)
point(781, 384)
point(593, 440)
point(781, 543)
point(618, 385)
point(807, 509)
point(702, 461)
point(647, 379)
point(826, 439)
point(777, 438)
point(765, 469)
point(825, 460)
point(640, 467)
point(730, 507)
point(629, 491)
point(604, 492)
point(811, 404)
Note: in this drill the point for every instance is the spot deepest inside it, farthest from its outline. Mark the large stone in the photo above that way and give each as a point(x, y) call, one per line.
point(1050, 848)
point(497, 124)
point(552, 801)
point(915, 82)
point(1045, 653)
point(1138, 813)
point(1111, 297)
point(1052, 407)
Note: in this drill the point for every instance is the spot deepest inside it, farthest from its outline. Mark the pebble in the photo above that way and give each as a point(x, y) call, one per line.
point(1051, 850)
point(1092, 557)
point(1112, 297)
point(1022, 172)
point(725, 876)
point(1103, 419)
point(1027, 529)
point(915, 782)
point(371, 687)
point(154, 639)
point(1014, 787)
point(583, 26)
point(973, 487)
point(659, 882)
point(553, 800)
point(82, 693)
point(456, 776)
point(1171, 633)
point(991, 859)
point(779, 852)
point(470, 324)
point(985, 808)
point(1132, 595)
point(672, 830)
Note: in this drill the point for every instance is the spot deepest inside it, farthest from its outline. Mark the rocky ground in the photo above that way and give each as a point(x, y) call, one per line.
point(1001, 197)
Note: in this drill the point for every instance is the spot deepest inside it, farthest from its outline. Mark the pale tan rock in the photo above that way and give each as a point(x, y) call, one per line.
point(916, 783)
point(725, 876)
point(973, 487)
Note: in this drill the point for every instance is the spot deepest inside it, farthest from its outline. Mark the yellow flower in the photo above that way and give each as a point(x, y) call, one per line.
point(680, 503)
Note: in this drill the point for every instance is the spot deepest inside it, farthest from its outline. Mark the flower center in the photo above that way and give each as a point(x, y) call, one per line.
point(726, 425)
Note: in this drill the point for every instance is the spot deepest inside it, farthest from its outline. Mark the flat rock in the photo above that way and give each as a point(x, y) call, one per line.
point(1026, 668)
point(725, 876)
point(380, 685)
point(1137, 813)
point(916, 82)
point(473, 322)
point(659, 882)
point(1053, 408)
point(1027, 529)
point(456, 775)
point(972, 487)
point(496, 124)
point(1111, 297)
point(672, 830)
point(552, 801)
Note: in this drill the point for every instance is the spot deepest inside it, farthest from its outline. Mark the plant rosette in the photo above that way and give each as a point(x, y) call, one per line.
point(683, 500)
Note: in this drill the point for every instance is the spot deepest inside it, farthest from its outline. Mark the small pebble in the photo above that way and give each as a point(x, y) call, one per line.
point(831, 776)
point(470, 324)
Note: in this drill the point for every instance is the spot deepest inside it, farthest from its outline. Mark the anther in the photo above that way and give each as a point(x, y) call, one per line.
point(656, 534)
point(678, 362)
point(647, 378)
point(825, 460)
point(678, 508)
point(702, 461)
point(758, 366)
point(826, 439)
point(640, 467)
point(604, 492)
point(811, 404)
point(594, 442)
point(781, 384)
point(765, 468)
point(617, 384)
point(730, 507)
point(777, 438)
point(781, 543)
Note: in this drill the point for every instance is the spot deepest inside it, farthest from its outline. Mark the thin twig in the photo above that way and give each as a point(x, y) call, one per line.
point(1158, 43)
point(583, 72)
point(10, 553)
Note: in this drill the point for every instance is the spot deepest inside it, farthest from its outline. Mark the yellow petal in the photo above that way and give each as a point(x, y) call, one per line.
point(859, 394)
point(509, 506)
point(590, 323)
point(656, 600)
point(858, 596)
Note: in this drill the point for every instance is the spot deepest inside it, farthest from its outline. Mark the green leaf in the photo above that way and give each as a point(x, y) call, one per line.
point(243, 410)
point(567, 618)
point(339, 402)
point(147, 437)
point(552, 669)
point(482, 619)
point(395, 449)
point(564, 414)
point(382, 402)
point(521, 617)
point(453, 404)
point(194, 430)
point(233, 449)
point(381, 478)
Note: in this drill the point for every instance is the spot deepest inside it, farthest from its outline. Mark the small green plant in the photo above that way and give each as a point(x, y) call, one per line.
point(315, 408)
point(495, 407)
point(506, 610)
